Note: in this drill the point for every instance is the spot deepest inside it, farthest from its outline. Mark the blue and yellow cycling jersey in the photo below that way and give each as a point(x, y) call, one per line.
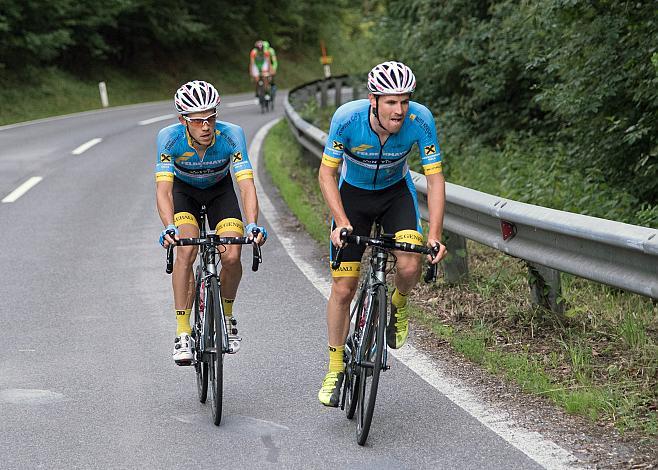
point(177, 157)
point(366, 163)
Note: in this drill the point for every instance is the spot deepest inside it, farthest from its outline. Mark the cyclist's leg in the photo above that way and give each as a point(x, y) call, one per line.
point(343, 287)
point(225, 216)
point(185, 218)
point(255, 73)
point(402, 217)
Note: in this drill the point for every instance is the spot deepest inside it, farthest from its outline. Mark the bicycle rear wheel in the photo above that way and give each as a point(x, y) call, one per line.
point(200, 364)
point(373, 345)
point(215, 347)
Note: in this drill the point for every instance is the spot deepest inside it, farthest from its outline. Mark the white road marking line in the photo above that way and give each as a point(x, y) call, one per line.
point(242, 103)
point(164, 117)
point(87, 145)
point(22, 189)
point(540, 449)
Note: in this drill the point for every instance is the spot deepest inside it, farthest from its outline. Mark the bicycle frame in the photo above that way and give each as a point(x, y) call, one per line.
point(375, 277)
point(208, 269)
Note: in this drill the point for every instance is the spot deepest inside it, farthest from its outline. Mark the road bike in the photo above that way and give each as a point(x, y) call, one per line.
point(365, 347)
point(210, 333)
point(264, 94)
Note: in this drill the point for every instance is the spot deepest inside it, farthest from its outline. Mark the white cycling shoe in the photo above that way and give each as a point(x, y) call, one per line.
point(183, 346)
point(233, 339)
point(234, 342)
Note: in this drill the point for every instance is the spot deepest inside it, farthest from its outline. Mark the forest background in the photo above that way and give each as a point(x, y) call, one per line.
point(551, 102)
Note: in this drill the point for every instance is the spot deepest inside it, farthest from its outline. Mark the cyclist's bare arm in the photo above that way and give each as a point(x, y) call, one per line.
point(165, 203)
point(329, 186)
point(436, 202)
point(250, 203)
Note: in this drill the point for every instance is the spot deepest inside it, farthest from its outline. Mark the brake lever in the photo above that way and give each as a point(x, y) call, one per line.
point(170, 253)
point(257, 256)
point(432, 269)
point(335, 264)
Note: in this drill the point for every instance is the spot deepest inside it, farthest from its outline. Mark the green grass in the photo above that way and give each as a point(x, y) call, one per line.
point(285, 164)
point(52, 92)
point(601, 364)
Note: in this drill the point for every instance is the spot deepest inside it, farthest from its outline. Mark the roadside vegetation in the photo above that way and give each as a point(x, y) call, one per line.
point(53, 53)
point(601, 362)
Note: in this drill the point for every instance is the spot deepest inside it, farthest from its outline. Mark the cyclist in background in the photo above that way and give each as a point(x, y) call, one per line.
point(372, 138)
point(192, 169)
point(260, 65)
point(274, 62)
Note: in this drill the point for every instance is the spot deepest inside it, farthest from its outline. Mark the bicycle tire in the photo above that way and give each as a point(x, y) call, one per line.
point(200, 364)
point(373, 345)
point(351, 372)
point(215, 341)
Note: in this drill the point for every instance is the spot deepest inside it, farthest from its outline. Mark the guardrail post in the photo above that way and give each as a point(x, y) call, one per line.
point(456, 263)
point(355, 89)
point(338, 91)
point(324, 84)
point(545, 287)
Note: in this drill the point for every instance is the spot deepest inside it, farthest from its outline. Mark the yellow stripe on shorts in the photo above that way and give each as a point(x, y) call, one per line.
point(230, 225)
point(347, 269)
point(182, 218)
point(409, 236)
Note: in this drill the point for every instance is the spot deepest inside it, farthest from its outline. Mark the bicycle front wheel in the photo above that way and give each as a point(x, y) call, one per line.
point(351, 388)
point(215, 347)
point(200, 364)
point(373, 344)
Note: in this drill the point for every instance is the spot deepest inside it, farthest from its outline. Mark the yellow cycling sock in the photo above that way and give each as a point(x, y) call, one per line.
point(183, 321)
point(336, 358)
point(228, 307)
point(398, 298)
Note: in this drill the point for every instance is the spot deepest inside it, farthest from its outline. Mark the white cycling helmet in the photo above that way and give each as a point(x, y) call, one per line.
point(391, 78)
point(196, 96)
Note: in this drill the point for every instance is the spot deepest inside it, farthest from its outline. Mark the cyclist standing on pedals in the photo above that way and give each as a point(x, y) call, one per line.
point(372, 138)
point(192, 170)
point(260, 64)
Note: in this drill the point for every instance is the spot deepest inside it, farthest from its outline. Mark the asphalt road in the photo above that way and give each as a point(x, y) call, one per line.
point(86, 375)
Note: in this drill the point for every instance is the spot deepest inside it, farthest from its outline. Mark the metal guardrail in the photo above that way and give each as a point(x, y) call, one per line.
point(612, 253)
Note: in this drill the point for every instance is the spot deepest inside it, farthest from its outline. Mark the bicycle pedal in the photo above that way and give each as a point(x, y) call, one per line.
point(183, 363)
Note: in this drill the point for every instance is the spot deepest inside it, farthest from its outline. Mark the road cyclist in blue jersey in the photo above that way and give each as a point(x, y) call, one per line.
point(370, 141)
point(193, 165)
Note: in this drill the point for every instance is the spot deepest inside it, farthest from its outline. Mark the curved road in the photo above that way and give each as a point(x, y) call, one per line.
point(86, 376)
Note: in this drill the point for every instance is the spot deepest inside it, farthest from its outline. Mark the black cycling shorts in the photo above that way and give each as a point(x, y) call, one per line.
point(221, 204)
point(396, 208)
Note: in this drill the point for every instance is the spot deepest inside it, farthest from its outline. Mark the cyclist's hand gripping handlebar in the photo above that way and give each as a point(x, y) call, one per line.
point(335, 264)
point(430, 274)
